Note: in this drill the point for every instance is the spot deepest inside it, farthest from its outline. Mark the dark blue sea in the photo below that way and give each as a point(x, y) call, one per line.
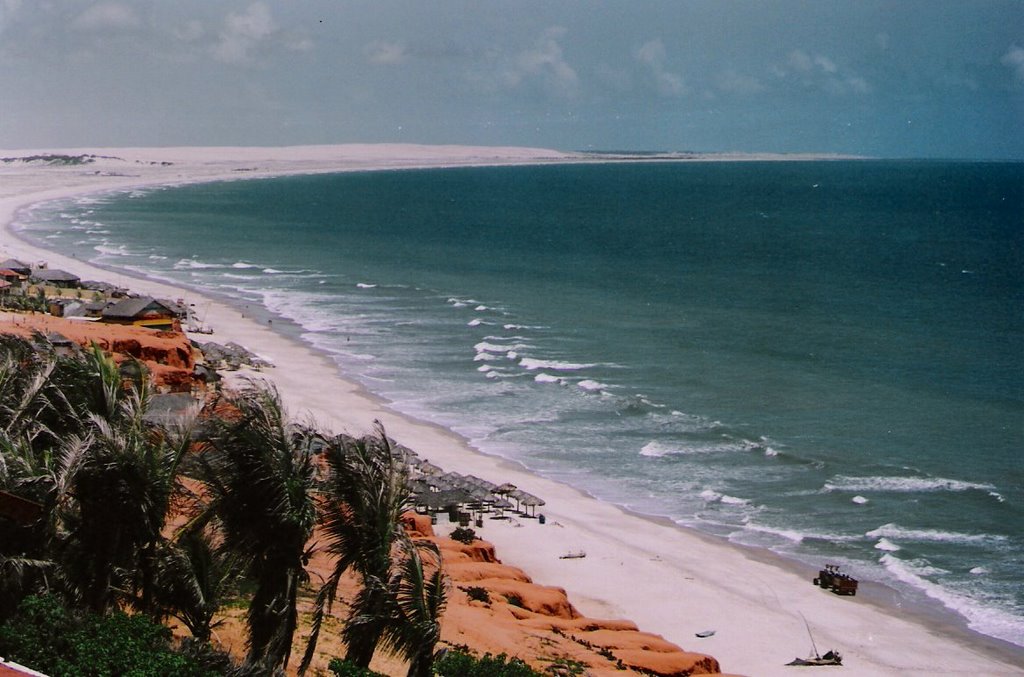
point(825, 359)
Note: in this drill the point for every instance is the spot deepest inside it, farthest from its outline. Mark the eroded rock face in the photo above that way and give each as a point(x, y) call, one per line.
point(539, 624)
point(167, 355)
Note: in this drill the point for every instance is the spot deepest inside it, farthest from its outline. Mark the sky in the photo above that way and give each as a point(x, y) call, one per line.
point(885, 78)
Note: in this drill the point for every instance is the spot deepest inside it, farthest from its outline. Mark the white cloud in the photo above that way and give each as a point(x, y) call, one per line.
point(254, 30)
point(653, 55)
point(546, 63)
point(1014, 60)
point(8, 8)
point(800, 61)
point(106, 15)
point(190, 32)
point(820, 72)
point(243, 32)
point(738, 83)
point(385, 53)
point(826, 64)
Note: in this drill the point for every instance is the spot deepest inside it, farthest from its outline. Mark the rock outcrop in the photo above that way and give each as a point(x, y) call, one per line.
point(497, 608)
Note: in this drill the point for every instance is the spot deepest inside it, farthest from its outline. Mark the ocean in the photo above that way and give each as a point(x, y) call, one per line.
point(824, 359)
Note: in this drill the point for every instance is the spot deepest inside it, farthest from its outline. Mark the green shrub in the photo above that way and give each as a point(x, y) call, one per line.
point(342, 668)
point(460, 663)
point(47, 637)
point(463, 535)
point(478, 594)
point(514, 599)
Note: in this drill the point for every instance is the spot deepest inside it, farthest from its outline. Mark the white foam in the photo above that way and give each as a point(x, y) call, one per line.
point(987, 619)
point(532, 364)
point(365, 285)
point(592, 385)
point(488, 347)
point(243, 265)
point(978, 571)
point(185, 264)
point(111, 250)
point(547, 378)
point(901, 484)
point(657, 450)
point(892, 530)
point(711, 496)
point(859, 500)
point(887, 545)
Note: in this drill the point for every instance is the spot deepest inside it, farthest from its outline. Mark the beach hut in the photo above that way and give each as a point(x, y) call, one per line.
point(141, 311)
point(12, 277)
point(16, 266)
point(55, 277)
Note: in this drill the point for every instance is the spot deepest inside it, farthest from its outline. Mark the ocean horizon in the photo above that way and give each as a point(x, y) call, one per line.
point(822, 359)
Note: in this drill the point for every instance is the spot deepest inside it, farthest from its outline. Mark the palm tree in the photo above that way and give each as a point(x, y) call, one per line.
point(259, 472)
point(121, 476)
point(366, 492)
point(192, 578)
point(420, 597)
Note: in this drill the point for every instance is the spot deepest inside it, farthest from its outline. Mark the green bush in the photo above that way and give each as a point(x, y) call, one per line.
point(342, 668)
point(460, 663)
point(47, 637)
point(476, 593)
point(463, 535)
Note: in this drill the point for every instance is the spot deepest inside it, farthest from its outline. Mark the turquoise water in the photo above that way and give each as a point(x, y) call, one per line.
point(821, 358)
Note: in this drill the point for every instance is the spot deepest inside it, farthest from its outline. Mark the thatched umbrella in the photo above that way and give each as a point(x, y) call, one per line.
point(428, 468)
point(504, 489)
point(531, 501)
point(480, 482)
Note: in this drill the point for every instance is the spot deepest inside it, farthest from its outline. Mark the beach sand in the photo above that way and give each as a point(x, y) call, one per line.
point(666, 579)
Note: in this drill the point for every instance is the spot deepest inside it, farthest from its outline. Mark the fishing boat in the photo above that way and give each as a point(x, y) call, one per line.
point(831, 657)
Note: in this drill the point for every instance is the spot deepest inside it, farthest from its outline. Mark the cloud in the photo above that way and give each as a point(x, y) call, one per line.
point(251, 30)
point(820, 72)
point(8, 8)
point(652, 54)
point(243, 32)
point(544, 62)
point(190, 31)
point(738, 83)
point(385, 53)
point(1014, 60)
point(107, 16)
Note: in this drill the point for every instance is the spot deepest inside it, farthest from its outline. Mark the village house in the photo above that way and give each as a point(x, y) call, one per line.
point(16, 266)
point(55, 277)
point(144, 311)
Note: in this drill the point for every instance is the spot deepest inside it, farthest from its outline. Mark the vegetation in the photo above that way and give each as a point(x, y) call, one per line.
point(477, 594)
point(461, 663)
point(463, 535)
point(98, 482)
point(51, 639)
point(403, 589)
point(343, 668)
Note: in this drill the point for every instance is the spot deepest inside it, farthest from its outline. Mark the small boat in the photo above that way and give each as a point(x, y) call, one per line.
point(830, 658)
point(706, 633)
point(573, 554)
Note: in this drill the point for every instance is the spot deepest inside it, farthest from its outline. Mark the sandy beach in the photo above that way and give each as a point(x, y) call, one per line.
point(667, 580)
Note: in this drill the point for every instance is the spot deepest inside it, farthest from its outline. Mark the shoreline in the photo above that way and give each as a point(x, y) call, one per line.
point(637, 565)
